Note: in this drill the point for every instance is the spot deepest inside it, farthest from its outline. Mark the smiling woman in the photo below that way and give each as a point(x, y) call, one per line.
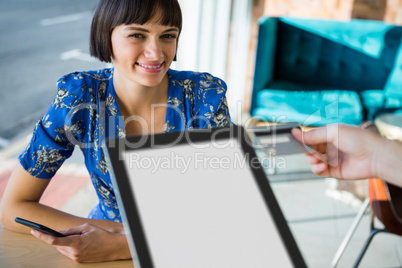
point(139, 95)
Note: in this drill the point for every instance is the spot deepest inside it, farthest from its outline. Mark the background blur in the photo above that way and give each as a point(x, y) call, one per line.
point(42, 40)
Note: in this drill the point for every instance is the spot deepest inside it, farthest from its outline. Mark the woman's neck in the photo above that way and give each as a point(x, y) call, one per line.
point(136, 99)
point(138, 105)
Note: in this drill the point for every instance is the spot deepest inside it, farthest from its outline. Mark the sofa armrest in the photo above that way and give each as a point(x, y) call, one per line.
point(393, 88)
point(265, 57)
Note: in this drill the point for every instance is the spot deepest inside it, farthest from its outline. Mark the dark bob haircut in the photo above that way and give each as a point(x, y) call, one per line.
point(112, 13)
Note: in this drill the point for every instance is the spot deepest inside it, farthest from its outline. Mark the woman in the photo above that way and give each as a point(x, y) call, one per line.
point(139, 95)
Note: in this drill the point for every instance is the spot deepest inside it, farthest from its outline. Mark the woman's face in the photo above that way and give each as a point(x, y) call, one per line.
point(143, 53)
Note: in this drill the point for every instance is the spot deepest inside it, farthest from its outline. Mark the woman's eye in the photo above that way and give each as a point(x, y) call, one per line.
point(169, 36)
point(136, 35)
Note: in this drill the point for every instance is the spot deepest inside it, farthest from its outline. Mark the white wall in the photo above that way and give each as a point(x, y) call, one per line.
point(215, 39)
point(236, 76)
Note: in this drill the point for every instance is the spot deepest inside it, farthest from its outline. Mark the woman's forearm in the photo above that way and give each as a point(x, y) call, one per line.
point(48, 216)
point(21, 199)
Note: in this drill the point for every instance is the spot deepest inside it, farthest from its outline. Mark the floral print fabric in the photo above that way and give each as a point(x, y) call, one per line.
point(85, 112)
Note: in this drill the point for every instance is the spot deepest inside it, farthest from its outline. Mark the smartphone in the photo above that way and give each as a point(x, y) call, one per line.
point(38, 227)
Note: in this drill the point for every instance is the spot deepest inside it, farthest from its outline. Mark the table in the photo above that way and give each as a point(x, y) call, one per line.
point(390, 126)
point(25, 250)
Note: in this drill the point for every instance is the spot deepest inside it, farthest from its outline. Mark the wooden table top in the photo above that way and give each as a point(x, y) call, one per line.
point(25, 250)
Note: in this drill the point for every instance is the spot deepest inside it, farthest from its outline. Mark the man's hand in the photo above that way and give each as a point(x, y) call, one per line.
point(342, 151)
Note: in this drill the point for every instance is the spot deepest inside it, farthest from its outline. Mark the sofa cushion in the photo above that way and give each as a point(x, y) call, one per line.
point(310, 108)
point(393, 100)
point(373, 101)
point(377, 102)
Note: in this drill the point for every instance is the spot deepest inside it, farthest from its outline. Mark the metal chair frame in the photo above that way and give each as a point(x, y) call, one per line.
point(391, 209)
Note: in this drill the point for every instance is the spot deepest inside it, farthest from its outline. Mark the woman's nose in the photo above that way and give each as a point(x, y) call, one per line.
point(153, 50)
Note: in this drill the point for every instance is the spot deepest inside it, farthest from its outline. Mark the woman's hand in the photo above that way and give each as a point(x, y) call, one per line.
point(115, 227)
point(88, 243)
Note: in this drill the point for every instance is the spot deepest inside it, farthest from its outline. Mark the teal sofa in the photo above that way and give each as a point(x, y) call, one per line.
point(317, 72)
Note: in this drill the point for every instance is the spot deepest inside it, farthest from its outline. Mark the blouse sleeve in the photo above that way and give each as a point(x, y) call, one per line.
point(50, 145)
point(213, 109)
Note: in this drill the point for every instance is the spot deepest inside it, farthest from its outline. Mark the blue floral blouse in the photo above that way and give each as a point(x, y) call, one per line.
point(85, 112)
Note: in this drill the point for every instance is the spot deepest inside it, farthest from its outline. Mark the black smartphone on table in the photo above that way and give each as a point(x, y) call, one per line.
point(39, 227)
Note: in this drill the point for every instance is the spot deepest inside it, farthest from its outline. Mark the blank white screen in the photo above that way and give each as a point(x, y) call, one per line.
point(210, 214)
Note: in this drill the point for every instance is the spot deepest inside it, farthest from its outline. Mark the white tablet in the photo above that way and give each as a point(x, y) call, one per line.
point(199, 199)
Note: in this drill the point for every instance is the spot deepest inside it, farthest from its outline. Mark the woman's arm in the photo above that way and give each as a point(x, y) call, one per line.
point(92, 241)
point(21, 199)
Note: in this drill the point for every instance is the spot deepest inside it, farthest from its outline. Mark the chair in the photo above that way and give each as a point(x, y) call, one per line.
point(385, 201)
point(386, 205)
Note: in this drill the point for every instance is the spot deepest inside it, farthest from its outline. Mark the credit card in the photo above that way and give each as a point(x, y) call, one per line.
point(278, 139)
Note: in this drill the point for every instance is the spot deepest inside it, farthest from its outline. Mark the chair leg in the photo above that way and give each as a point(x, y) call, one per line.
point(350, 232)
point(365, 247)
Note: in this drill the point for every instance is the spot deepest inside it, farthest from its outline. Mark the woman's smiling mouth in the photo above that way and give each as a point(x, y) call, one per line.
point(151, 67)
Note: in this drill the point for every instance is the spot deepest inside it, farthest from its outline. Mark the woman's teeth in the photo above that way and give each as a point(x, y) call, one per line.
point(150, 67)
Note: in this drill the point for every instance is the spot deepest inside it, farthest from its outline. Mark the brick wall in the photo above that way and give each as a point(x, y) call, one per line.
point(337, 9)
point(257, 12)
point(393, 12)
point(386, 10)
point(369, 9)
